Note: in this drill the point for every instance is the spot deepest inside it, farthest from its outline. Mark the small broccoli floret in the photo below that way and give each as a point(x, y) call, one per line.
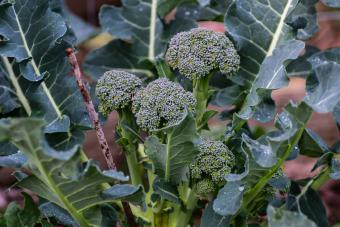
point(199, 51)
point(115, 90)
point(211, 165)
point(162, 103)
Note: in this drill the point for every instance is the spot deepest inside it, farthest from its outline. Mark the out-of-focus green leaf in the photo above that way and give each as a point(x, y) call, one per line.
point(301, 67)
point(28, 216)
point(171, 160)
point(309, 203)
point(331, 3)
point(229, 198)
point(284, 218)
point(303, 19)
point(145, 37)
point(14, 160)
point(212, 219)
point(322, 91)
point(312, 145)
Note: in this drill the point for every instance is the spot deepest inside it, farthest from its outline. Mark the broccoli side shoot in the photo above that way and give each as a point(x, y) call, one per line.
point(162, 103)
point(199, 51)
point(115, 90)
point(211, 165)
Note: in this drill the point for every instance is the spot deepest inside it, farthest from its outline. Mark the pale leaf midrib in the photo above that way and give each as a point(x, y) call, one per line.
point(152, 31)
point(36, 69)
point(276, 36)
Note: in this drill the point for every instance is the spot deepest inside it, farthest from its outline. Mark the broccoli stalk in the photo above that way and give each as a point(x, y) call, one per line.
point(115, 90)
point(201, 93)
point(197, 54)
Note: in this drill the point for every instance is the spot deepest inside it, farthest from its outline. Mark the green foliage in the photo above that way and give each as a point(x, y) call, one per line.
point(150, 66)
point(115, 90)
point(28, 216)
point(199, 51)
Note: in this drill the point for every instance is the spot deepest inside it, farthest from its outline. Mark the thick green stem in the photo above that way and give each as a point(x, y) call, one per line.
point(134, 168)
point(321, 179)
point(167, 164)
point(127, 127)
point(201, 93)
point(184, 216)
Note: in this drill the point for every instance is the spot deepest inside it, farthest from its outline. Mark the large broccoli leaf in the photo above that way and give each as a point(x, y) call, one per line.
point(171, 160)
point(266, 44)
point(145, 37)
point(33, 49)
point(60, 177)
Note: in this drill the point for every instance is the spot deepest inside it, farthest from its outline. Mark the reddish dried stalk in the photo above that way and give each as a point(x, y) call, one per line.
point(96, 124)
point(90, 109)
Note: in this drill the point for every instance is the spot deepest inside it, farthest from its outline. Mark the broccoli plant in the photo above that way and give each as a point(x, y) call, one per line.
point(163, 79)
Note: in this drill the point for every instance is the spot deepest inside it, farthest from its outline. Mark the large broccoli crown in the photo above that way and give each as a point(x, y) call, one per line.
point(162, 103)
point(211, 165)
point(115, 90)
point(199, 51)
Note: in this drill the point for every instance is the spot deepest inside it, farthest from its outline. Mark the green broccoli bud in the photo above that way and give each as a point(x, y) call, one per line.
point(115, 90)
point(205, 187)
point(211, 165)
point(199, 51)
point(162, 103)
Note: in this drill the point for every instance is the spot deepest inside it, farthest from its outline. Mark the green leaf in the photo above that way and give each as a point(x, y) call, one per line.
point(229, 198)
point(331, 3)
point(322, 93)
point(265, 46)
point(59, 176)
point(165, 190)
point(145, 37)
point(259, 169)
point(227, 96)
point(28, 216)
point(49, 210)
point(301, 67)
point(30, 30)
point(212, 219)
point(8, 99)
point(309, 203)
point(171, 160)
point(312, 145)
point(16, 160)
point(335, 165)
point(284, 218)
point(303, 19)
point(41, 38)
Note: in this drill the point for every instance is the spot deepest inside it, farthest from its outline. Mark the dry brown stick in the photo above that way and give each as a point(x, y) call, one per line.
point(90, 109)
point(96, 124)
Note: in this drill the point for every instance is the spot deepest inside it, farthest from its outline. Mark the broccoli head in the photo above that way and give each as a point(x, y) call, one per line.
point(199, 51)
point(210, 166)
point(160, 104)
point(115, 90)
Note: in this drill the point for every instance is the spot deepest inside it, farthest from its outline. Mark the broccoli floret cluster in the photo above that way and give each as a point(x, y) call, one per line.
point(115, 90)
point(160, 104)
point(199, 51)
point(210, 166)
